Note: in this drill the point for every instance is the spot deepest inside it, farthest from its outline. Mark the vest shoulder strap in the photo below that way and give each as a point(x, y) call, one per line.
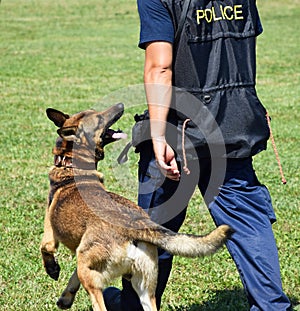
point(181, 21)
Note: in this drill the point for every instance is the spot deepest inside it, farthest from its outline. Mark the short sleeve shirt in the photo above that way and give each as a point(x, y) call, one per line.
point(156, 23)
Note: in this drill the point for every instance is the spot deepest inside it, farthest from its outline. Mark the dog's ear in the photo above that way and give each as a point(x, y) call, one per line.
point(57, 117)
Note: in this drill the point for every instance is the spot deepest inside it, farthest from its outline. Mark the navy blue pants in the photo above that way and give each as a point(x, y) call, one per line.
point(233, 196)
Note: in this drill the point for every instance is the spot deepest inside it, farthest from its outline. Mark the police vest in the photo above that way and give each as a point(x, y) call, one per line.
point(215, 63)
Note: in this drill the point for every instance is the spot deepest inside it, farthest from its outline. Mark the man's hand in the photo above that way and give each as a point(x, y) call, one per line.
point(165, 158)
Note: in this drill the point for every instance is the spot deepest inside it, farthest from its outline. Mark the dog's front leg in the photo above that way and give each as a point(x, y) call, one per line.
point(48, 247)
point(67, 297)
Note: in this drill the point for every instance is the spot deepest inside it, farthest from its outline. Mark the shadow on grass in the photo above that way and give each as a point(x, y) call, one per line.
point(224, 300)
point(227, 300)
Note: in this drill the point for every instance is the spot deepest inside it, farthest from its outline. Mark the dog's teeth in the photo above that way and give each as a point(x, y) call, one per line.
point(119, 136)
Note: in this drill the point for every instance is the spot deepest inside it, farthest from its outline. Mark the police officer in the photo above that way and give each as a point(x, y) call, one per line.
point(206, 125)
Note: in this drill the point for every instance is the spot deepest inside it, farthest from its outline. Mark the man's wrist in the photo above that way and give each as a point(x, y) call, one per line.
point(160, 138)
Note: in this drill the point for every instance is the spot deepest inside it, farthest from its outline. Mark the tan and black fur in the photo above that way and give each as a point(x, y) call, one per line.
point(110, 235)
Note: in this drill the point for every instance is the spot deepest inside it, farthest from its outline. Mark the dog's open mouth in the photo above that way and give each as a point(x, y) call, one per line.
point(112, 135)
point(111, 116)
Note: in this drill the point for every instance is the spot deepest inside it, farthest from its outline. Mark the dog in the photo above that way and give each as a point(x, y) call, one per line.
point(110, 235)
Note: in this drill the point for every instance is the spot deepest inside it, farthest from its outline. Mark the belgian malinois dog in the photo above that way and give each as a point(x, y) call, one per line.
point(110, 235)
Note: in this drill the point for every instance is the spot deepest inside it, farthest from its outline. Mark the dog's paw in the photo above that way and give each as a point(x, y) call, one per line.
point(65, 301)
point(53, 269)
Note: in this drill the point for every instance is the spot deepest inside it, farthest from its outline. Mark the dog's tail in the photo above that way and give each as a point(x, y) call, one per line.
point(189, 245)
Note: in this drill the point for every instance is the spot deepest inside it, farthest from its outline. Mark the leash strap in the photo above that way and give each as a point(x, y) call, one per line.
point(181, 21)
point(185, 167)
point(275, 149)
point(122, 158)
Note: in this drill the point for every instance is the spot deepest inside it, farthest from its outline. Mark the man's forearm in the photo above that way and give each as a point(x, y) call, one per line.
point(158, 85)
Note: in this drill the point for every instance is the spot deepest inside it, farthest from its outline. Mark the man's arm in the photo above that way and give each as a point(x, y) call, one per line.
point(158, 87)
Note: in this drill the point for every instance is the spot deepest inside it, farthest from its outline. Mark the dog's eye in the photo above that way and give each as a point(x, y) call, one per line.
point(67, 131)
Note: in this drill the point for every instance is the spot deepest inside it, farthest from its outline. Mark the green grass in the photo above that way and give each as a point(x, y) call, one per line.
point(72, 55)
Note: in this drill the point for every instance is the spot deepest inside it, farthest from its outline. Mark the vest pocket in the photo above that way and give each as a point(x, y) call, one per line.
point(233, 118)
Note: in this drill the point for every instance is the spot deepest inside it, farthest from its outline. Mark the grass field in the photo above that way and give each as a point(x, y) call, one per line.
point(72, 55)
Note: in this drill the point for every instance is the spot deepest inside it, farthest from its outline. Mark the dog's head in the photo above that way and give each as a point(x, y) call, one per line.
point(87, 130)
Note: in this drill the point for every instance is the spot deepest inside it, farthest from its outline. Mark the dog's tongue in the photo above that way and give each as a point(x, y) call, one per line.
point(119, 135)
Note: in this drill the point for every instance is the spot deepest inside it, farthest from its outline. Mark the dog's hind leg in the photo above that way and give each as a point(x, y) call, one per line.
point(67, 297)
point(89, 265)
point(147, 299)
point(91, 281)
point(48, 247)
point(144, 277)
